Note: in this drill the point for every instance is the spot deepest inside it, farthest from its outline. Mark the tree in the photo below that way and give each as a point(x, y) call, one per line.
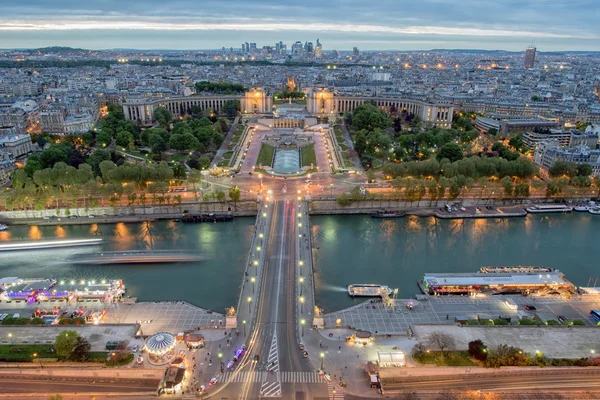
point(368, 116)
point(478, 350)
point(408, 396)
point(162, 116)
point(440, 341)
point(584, 170)
point(87, 138)
point(103, 138)
point(81, 348)
point(563, 168)
point(492, 131)
point(451, 151)
point(220, 196)
point(186, 141)
point(234, 194)
point(124, 139)
point(194, 177)
point(231, 108)
point(179, 171)
point(65, 343)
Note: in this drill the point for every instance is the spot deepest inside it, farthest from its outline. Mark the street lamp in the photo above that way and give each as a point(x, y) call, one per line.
point(221, 361)
point(253, 280)
point(302, 322)
point(249, 303)
point(301, 284)
point(10, 338)
point(244, 322)
point(322, 359)
point(301, 304)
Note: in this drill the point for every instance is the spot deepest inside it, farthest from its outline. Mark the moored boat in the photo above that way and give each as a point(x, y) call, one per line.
point(595, 210)
point(388, 214)
point(548, 208)
point(3, 227)
point(368, 290)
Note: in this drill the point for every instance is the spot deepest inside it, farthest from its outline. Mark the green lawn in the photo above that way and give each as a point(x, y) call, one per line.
point(347, 162)
point(24, 352)
point(180, 157)
point(265, 156)
point(308, 155)
point(450, 359)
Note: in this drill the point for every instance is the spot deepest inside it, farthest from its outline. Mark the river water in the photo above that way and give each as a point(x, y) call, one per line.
point(351, 249)
point(211, 284)
point(397, 252)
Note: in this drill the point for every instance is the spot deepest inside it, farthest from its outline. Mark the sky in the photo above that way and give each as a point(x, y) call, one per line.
point(551, 25)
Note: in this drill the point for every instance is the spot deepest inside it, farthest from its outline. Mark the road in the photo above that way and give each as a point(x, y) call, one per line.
point(57, 386)
point(274, 338)
point(517, 382)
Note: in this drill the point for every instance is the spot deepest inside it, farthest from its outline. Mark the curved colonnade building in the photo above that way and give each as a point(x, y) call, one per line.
point(321, 103)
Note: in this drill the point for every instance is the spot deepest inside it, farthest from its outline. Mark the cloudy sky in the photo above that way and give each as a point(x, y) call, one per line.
point(340, 24)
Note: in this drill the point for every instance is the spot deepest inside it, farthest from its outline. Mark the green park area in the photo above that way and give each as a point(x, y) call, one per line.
point(343, 147)
point(265, 156)
point(308, 155)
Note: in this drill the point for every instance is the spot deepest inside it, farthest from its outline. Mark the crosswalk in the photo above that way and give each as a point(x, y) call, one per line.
point(262, 376)
point(335, 392)
point(271, 388)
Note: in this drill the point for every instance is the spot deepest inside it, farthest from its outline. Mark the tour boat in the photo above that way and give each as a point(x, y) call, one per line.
point(368, 290)
point(585, 207)
point(548, 208)
point(595, 211)
point(137, 257)
point(3, 227)
point(388, 214)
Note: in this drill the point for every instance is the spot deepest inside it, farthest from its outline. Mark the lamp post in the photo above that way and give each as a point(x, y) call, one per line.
point(301, 284)
point(301, 304)
point(221, 361)
point(253, 280)
point(39, 359)
point(10, 337)
point(302, 322)
point(322, 359)
point(249, 303)
point(244, 322)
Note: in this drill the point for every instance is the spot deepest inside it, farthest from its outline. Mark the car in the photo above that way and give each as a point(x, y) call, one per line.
point(213, 381)
point(46, 217)
point(91, 216)
point(135, 348)
point(562, 319)
point(72, 216)
point(530, 308)
point(305, 354)
point(301, 346)
point(230, 365)
point(256, 358)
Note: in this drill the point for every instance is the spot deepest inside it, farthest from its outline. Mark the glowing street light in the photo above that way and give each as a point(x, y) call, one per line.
point(221, 361)
point(302, 322)
point(301, 304)
point(300, 263)
point(301, 284)
point(322, 355)
point(249, 304)
point(253, 280)
point(244, 322)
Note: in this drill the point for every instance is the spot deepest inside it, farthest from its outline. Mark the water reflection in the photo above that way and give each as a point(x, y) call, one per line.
point(359, 249)
point(34, 233)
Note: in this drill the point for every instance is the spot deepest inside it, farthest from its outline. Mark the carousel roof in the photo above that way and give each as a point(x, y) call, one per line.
point(160, 342)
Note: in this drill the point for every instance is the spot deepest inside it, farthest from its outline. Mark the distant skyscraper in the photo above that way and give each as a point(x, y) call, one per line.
point(318, 49)
point(356, 52)
point(297, 47)
point(529, 57)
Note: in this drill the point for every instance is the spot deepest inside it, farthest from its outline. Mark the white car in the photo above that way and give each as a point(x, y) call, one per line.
point(135, 348)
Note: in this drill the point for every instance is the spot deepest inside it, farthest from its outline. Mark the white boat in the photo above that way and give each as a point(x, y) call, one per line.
point(585, 207)
point(368, 290)
point(548, 208)
point(595, 211)
point(3, 227)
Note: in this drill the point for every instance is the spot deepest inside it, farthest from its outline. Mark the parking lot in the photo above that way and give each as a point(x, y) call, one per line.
point(170, 316)
point(376, 318)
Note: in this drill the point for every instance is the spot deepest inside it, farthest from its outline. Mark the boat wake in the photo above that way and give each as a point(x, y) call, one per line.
point(334, 288)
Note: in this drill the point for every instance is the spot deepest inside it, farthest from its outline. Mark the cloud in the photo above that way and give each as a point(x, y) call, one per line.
point(571, 21)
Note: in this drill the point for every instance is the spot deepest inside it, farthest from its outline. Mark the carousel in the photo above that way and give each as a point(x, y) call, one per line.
point(160, 348)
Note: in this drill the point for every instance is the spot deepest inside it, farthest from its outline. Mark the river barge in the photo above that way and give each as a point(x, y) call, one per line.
point(136, 257)
point(496, 282)
point(548, 208)
point(388, 214)
point(207, 218)
point(368, 290)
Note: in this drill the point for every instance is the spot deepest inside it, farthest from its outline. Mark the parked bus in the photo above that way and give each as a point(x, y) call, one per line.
point(178, 189)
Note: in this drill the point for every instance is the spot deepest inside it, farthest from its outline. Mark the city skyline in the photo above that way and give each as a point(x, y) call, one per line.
point(431, 24)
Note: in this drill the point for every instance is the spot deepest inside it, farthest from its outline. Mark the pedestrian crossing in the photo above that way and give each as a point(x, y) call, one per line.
point(262, 376)
point(272, 388)
point(335, 392)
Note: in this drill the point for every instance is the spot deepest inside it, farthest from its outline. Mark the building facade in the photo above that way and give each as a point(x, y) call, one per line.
point(530, 57)
point(17, 145)
point(255, 101)
point(549, 152)
point(322, 102)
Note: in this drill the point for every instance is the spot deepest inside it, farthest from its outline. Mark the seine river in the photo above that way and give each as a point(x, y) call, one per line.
point(210, 284)
point(396, 253)
point(351, 249)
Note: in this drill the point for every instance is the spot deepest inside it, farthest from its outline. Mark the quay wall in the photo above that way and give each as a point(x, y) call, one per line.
point(128, 213)
point(328, 205)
